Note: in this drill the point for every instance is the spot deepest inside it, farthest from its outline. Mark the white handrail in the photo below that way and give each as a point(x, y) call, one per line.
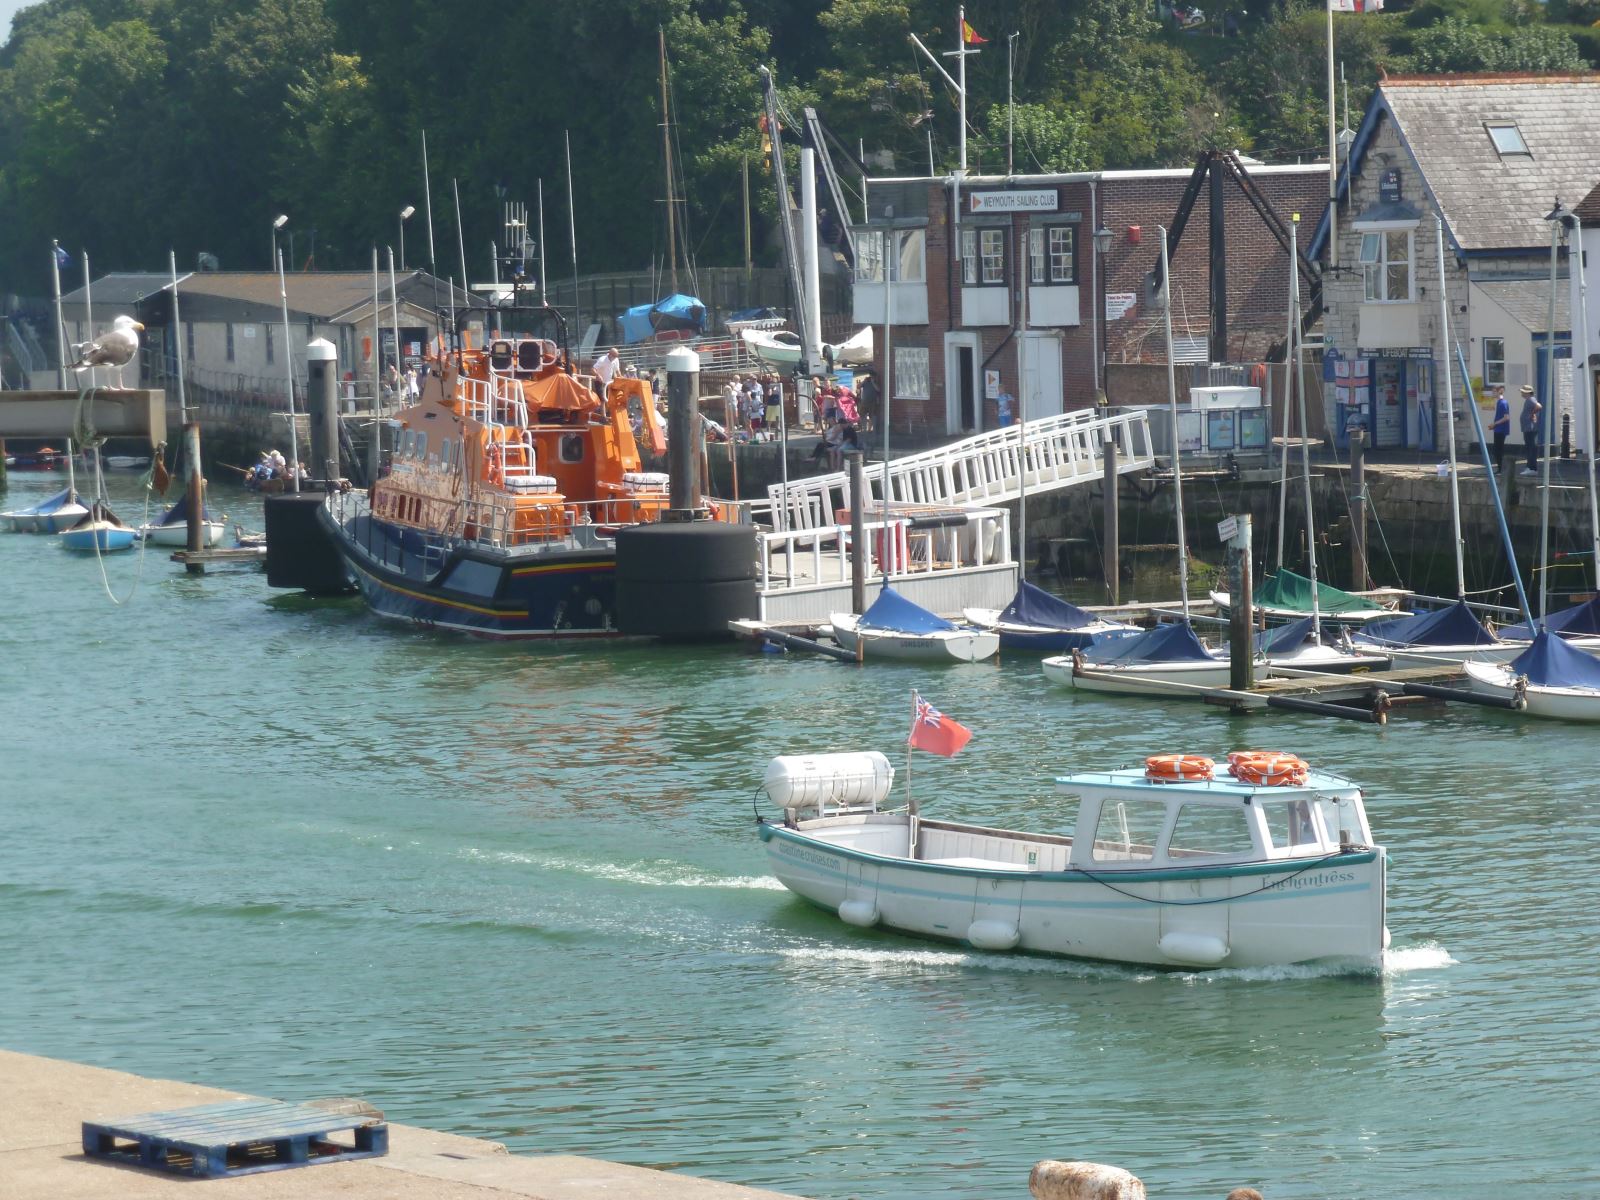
point(988, 468)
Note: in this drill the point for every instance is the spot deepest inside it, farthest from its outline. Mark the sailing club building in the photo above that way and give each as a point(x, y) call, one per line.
point(1038, 288)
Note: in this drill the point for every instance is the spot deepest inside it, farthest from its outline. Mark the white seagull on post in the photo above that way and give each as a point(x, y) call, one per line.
point(116, 349)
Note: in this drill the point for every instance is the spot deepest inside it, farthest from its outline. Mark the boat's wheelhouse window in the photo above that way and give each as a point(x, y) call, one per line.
point(407, 440)
point(1341, 816)
point(420, 447)
point(1290, 823)
point(1128, 829)
point(572, 448)
point(1209, 831)
point(444, 453)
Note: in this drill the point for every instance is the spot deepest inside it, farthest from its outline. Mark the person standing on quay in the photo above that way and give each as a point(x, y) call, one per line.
point(1501, 425)
point(1531, 408)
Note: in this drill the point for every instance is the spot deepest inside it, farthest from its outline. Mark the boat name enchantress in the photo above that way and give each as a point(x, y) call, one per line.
point(1320, 879)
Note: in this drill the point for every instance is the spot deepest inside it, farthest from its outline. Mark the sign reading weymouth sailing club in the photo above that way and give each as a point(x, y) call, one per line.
point(1037, 200)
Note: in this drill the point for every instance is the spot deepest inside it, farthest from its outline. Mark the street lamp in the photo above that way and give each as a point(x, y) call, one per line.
point(405, 215)
point(283, 219)
point(1102, 247)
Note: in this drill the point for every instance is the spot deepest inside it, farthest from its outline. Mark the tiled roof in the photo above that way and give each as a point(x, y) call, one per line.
point(1493, 201)
point(319, 294)
point(1527, 301)
point(1588, 209)
point(120, 289)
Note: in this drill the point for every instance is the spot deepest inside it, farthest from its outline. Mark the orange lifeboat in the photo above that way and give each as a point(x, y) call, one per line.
point(1268, 768)
point(1177, 768)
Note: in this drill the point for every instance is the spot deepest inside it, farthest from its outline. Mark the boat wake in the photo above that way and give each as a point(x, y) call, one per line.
point(655, 873)
point(1429, 956)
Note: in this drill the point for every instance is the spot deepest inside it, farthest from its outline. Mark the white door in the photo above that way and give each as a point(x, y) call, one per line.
point(963, 399)
point(1039, 356)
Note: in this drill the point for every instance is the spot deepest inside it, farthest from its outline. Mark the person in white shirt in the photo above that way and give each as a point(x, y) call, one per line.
point(605, 369)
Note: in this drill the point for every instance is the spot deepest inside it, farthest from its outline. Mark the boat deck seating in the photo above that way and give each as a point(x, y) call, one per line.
point(991, 850)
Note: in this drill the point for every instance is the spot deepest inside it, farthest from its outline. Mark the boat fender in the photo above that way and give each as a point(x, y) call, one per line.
point(859, 912)
point(1200, 949)
point(993, 935)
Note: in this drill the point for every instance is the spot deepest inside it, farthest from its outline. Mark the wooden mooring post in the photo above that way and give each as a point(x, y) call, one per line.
point(1111, 552)
point(1358, 510)
point(858, 533)
point(1241, 613)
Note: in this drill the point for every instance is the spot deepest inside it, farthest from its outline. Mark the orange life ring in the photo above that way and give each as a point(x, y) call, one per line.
point(1172, 767)
point(1268, 768)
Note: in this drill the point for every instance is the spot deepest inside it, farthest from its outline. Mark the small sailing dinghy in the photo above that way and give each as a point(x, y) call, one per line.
point(1445, 633)
point(1299, 647)
point(894, 627)
point(173, 527)
point(1551, 677)
point(1035, 620)
point(102, 529)
point(1148, 663)
point(1287, 596)
point(51, 515)
point(1578, 626)
point(1179, 863)
point(781, 347)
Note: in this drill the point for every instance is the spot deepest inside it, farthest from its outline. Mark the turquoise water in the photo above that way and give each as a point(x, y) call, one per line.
point(270, 844)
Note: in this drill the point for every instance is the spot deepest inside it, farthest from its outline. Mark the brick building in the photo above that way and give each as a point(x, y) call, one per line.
point(967, 336)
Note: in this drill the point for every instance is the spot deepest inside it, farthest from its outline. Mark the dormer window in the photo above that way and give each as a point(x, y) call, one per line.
point(1507, 138)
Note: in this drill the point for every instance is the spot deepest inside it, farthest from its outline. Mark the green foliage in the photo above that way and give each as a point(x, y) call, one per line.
point(1456, 45)
point(131, 126)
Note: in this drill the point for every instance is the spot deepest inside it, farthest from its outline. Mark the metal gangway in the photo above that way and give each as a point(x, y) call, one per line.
point(984, 470)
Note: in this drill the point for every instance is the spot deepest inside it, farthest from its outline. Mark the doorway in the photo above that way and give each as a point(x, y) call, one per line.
point(1039, 369)
point(962, 411)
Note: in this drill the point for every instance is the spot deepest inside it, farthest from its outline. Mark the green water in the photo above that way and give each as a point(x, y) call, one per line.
point(271, 844)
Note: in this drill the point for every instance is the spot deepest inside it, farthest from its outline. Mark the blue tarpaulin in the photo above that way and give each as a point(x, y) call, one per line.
point(676, 313)
point(178, 514)
point(893, 611)
point(1284, 638)
point(1453, 626)
point(1551, 662)
point(1035, 606)
point(1580, 619)
point(1165, 643)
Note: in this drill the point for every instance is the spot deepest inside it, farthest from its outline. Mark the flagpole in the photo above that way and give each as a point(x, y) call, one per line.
point(1333, 157)
point(911, 802)
point(61, 325)
point(961, 79)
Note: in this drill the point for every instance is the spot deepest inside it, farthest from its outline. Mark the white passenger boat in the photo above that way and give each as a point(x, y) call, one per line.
point(1550, 678)
point(894, 627)
point(1179, 863)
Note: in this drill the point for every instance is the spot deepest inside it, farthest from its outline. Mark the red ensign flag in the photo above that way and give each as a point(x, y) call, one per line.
point(934, 732)
point(969, 35)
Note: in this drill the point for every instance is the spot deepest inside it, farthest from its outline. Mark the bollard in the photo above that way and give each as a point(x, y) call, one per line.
point(1051, 1180)
point(195, 491)
point(683, 411)
point(1566, 435)
point(1111, 555)
point(322, 398)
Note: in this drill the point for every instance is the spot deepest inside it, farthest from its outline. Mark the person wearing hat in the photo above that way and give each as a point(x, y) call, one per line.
point(1501, 425)
point(1529, 418)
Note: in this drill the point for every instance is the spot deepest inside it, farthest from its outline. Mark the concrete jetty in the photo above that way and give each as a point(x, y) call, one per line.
point(43, 1102)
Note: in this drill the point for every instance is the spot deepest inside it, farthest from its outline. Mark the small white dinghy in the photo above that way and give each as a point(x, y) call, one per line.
point(58, 512)
point(1550, 678)
point(1452, 634)
point(1152, 662)
point(782, 347)
point(894, 627)
point(1179, 864)
point(173, 527)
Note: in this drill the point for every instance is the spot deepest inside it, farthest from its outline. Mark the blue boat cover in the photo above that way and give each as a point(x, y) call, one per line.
point(894, 612)
point(1578, 620)
point(178, 514)
point(1035, 606)
point(1453, 626)
point(1551, 662)
point(1165, 643)
point(1284, 638)
point(675, 312)
point(45, 507)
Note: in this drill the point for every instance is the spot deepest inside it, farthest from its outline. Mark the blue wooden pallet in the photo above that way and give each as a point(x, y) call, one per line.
point(235, 1137)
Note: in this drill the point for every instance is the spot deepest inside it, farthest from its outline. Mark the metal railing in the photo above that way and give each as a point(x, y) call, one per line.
point(822, 557)
point(989, 468)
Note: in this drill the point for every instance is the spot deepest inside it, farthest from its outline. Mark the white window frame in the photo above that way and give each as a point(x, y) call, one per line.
point(229, 338)
point(869, 255)
point(272, 355)
point(911, 373)
point(904, 239)
point(1378, 260)
point(1036, 256)
point(1519, 150)
point(1062, 264)
point(992, 256)
point(969, 258)
point(1494, 378)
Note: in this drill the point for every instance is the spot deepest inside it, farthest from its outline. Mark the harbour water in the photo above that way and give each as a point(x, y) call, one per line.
point(271, 844)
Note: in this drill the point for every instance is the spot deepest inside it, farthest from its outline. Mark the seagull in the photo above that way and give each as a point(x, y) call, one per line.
point(116, 349)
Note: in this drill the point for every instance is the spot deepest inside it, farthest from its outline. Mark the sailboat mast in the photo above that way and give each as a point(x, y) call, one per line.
point(1450, 417)
point(666, 158)
point(1305, 440)
point(1172, 403)
point(1289, 365)
point(1586, 380)
point(1547, 416)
